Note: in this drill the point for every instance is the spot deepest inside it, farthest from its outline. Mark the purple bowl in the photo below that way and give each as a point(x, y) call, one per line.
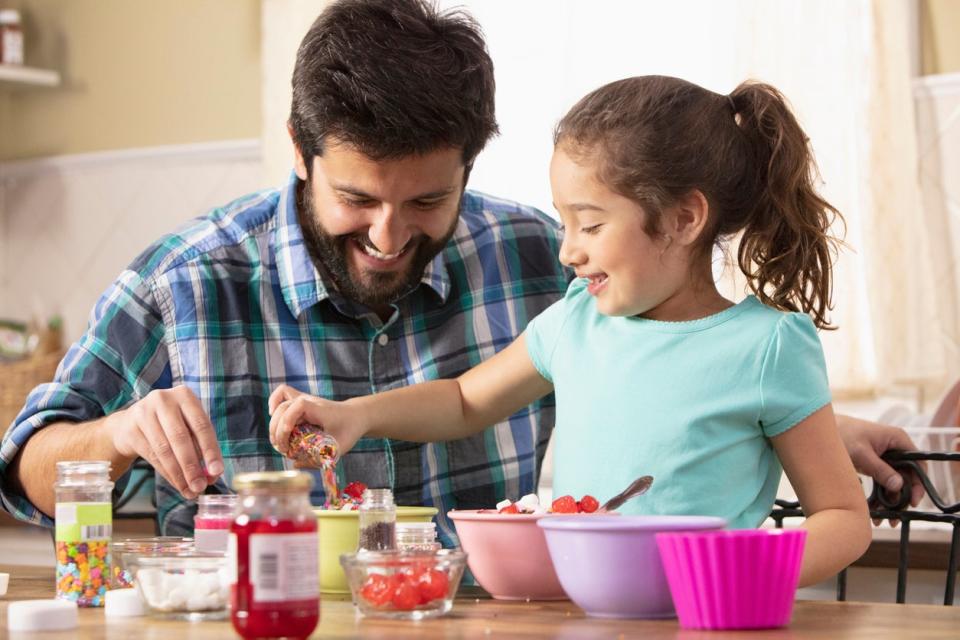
point(610, 565)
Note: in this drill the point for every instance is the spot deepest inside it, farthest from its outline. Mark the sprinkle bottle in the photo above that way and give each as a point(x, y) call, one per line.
point(211, 525)
point(83, 528)
point(378, 519)
point(311, 447)
point(273, 551)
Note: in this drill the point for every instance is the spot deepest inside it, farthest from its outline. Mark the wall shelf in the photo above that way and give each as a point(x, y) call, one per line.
point(13, 77)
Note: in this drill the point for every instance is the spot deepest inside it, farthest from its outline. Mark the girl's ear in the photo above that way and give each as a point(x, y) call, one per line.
point(688, 217)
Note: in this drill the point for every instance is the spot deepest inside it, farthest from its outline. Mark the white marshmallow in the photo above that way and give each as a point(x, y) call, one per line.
point(122, 603)
point(503, 504)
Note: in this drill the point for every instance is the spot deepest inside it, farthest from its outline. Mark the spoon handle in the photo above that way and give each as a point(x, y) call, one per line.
point(637, 487)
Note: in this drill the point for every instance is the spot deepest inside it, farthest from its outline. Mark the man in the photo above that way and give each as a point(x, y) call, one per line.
point(373, 268)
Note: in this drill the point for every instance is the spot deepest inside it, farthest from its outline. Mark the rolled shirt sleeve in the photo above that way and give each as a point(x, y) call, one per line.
point(120, 358)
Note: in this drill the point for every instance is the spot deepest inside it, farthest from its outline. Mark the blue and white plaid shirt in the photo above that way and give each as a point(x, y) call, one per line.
point(231, 306)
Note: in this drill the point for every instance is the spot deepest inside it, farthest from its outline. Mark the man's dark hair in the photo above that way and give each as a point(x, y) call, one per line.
point(393, 78)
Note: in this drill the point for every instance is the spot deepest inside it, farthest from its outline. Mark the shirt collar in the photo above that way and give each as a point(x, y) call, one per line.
point(301, 283)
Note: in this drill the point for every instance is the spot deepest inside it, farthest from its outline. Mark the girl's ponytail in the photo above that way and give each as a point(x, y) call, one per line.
point(785, 250)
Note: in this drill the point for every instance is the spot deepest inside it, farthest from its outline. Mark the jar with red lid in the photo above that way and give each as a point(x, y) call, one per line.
point(275, 589)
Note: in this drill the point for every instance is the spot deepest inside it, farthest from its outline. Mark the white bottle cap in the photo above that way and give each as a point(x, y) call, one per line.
point(4, 582)
point(123, 603)
point(41, 615)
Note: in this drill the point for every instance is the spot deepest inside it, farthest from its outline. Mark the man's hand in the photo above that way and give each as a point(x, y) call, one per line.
point(169, 429)
point(866, 441)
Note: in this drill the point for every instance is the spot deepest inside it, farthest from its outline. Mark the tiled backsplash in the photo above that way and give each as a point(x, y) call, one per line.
point(69, 225)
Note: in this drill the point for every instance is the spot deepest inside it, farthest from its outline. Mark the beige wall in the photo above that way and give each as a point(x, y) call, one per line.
point(940, 36)
point(136, 73)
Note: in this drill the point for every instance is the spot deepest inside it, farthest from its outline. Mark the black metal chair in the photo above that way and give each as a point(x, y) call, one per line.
point(882, 507)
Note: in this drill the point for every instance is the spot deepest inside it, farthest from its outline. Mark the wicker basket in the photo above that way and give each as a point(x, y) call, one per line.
point(18, 378)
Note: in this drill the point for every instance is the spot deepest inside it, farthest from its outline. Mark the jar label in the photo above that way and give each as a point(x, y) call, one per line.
point(210, 540)
point(284, 566)
point(78, 521)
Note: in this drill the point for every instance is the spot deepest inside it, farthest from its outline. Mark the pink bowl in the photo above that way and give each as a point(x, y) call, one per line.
point(610, 566)
point(507, 554)
point(743, 579)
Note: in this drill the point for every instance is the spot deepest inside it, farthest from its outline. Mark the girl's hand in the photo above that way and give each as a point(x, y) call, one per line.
point(289, 408)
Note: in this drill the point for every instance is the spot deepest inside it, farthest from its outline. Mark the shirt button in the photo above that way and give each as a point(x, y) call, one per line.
point(383, 339)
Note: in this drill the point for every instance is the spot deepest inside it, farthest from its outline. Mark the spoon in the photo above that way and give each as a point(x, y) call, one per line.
point(637, 488)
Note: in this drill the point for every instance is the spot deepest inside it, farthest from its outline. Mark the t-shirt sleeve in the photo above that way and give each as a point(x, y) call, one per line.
point(543, 332)
point(793, 381)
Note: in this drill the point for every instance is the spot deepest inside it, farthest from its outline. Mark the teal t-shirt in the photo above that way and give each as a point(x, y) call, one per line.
point(690, 403)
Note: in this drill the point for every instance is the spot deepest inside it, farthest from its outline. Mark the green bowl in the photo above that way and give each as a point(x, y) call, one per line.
point(339, 532)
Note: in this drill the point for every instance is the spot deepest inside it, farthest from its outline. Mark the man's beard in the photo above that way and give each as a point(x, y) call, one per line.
point(329, 255)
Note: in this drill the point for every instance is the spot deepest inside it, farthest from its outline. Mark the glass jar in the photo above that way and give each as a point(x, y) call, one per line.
point(11, 37)
point(211, 525)
point(83, 528)
point(273, 551)
point(417, 536)
point(311, 447)
point(377, 519)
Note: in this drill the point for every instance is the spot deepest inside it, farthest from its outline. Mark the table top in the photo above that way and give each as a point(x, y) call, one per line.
point(474, 617)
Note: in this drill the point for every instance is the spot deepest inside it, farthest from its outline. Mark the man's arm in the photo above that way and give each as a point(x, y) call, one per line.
point(33, 472)
point(168, 428)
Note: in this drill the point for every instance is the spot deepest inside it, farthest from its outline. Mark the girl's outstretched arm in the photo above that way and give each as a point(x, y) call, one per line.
point(426, 412)
point(837, 519)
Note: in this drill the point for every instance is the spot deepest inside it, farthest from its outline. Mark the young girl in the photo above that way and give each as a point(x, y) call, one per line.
point(654, 371)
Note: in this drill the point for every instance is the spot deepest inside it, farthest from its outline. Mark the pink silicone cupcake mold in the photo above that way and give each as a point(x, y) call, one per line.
point(742, 579)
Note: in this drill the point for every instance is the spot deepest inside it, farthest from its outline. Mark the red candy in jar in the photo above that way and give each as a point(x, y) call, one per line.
point(273, 544)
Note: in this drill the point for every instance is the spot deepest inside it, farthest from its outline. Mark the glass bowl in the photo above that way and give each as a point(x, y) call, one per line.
point(154, 545)
point(184, 586)
point(405, 585)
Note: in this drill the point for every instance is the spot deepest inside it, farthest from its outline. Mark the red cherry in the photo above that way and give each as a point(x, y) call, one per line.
point(588, 504)
point(406, 596)
point(355, 490)
point(377, 590)
point(564, 504)
point(433, 585)
point(510, 508)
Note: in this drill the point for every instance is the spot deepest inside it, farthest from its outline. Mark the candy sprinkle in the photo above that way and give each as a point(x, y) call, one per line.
point(83, 571)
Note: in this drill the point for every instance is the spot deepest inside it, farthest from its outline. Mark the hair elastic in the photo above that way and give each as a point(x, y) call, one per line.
point(733, 106)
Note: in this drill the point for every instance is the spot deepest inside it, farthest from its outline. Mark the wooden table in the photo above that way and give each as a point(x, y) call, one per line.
point(483, 618)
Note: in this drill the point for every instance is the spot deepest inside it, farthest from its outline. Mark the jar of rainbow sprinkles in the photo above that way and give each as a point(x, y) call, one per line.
point(83, 528)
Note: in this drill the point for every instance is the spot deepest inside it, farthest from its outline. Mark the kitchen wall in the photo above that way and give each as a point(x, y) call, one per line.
point(157, 121)
point(939, 21)
point(136, 73)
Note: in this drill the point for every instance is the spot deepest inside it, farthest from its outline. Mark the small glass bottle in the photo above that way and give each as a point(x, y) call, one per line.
point(274, 556)
point(378, 520)
point(417, 536)
point(311, 447)
point(211, 525)
point(83, 528)
point(11, 37)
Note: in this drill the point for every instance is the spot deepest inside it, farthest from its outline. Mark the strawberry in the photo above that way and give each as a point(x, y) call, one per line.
point(510, 508)
point(564, 504)
point(405, 595)
point(433, 585)
point(588, 504)
point(377, 590)
point(355, 490)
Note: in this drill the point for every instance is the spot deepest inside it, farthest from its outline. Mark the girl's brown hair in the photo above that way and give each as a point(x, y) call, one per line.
point(658, 138)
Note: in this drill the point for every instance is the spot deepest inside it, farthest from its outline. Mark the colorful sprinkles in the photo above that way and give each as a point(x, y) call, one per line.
point(83, 572)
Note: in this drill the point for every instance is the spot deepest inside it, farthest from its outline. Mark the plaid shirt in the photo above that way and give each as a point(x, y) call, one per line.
point(231, 306)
